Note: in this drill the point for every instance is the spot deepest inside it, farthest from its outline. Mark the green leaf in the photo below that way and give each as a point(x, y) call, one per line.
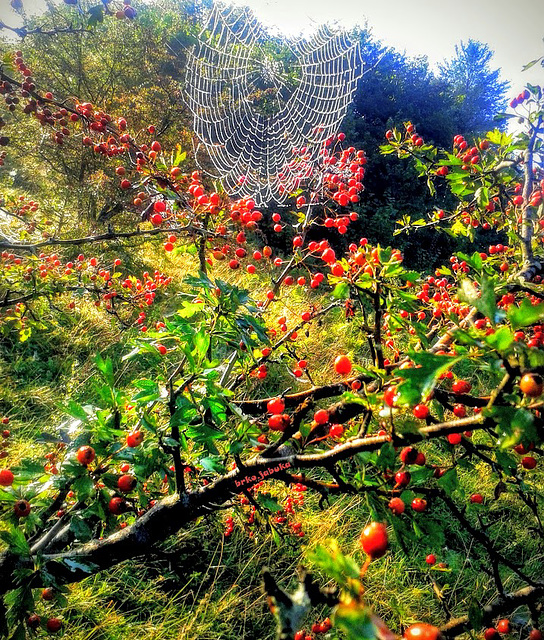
point(217, 407)
point(501, 340)
point(202, 342)
point(355, 621)
point(387, 456)
point(7, 497)
point(475, 615)
point(76, 411)
point(526, 315)
point(80, 529)
point(179, 157)
point(516, 424)
point(483, 299)
point(16, 541)
point(305, 429)
point(84, 488)
point(506, 461)
point(482, 196)
point(212, 463)
point(418, 382)
point(106, 369)
point(341, 291)
point(449, 482)
point(334, 563)
point(96, 15)
point(149, 391)
point(420, 476)
point(268, 502)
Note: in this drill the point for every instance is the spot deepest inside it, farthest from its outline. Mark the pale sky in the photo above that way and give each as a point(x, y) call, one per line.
point(514, 30)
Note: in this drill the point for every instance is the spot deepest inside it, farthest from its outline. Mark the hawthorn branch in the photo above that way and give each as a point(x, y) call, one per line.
point(500, 607)
point(531, 265)
point(121, 235)
point(483, 539)
point(175, 512)
point(25, 31)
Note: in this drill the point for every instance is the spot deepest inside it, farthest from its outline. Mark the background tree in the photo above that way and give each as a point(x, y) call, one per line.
point(476, 89)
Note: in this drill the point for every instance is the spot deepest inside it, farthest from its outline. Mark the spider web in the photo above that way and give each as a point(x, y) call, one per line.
point(263, 120)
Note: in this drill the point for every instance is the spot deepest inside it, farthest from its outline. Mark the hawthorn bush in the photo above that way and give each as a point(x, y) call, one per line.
point(210, 399)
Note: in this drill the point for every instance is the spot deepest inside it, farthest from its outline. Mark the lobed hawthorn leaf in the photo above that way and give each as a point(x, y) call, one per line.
point(16, 541)
point(449, 482)
point(516, 424)
point(526, 314)
point(81, 530)
point(483, 299)
point(355, 621)
point(501, 340)
point(341, 291)
point(334, 563)
point(106, 369)
point(269, 502)
point(419, 381)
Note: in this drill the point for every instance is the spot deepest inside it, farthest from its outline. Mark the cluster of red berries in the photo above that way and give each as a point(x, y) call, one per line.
point(520, 99)
point(410, 137)
point(317, 628)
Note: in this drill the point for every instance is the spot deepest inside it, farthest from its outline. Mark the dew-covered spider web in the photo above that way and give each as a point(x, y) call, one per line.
point(264, 107)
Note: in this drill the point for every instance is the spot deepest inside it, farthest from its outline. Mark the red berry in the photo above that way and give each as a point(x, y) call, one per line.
point(461, 386)
point(455, 438)
point(422, 631)
point(135, 438)
point(419, 504)
point(460, 410)
point(53, 625)
point(117, 506)
point(397, 506)
point(430, 559)
point(21, 508)
point(6, 478)
point(531, 385)
point(85, 455)
point(48, 594)
point(390, 396)
point(528, 462)
point(126, 483)
point(408, 455)
point(336, 430)
point(477, 498)
point(321, 416)
point(421, 411)
point(33, 621)
point(503, 626)
point(491, 634)
point(402, 478)
point(279, 422)
point(342, 365)
point(276, 406)
point(374, 540)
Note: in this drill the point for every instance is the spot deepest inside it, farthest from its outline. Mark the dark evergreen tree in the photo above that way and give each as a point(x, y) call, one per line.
point(477, 90)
